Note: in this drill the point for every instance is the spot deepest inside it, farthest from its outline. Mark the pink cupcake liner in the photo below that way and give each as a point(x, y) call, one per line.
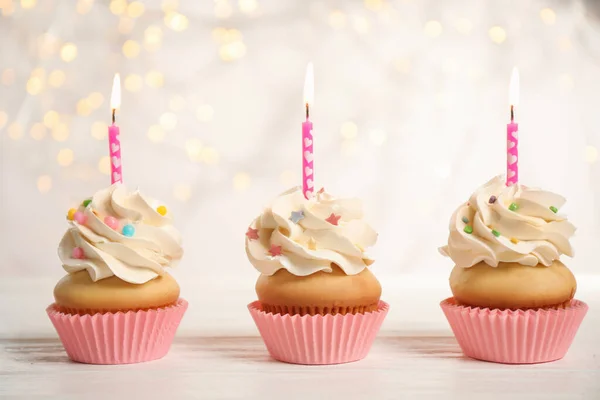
point(318, 340)
point(118, 338)
point(514, 337)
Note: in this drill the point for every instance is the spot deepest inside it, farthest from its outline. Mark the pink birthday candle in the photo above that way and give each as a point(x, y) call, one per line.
point(512, 133)
point(308, 183)
point(114, 143)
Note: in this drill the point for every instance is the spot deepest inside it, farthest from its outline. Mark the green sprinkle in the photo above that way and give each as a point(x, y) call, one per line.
point(468, 229)
point(495, 233)
point(553, 209)
point(87, 202)
point(513, 207)
point(465, 220)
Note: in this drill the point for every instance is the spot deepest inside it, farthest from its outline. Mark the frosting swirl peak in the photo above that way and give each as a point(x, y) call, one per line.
point(509, 224)
point(135, 258)
point(306, 236)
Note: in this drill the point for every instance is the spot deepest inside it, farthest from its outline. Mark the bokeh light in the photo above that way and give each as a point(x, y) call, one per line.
point(44, 183)
point(15, 131)
point(131, 49)
point(193, 148)
point(60, 132)
point(68, 52)
point(241, 181)
point(99, 130)
point(155, 79)
point(38, 131)
point(497, 34)
point(65, 157)
point(156, 133)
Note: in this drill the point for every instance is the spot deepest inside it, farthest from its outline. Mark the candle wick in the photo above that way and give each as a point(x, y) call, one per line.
point(114, 112)
point(512, 113)
point(307, 112)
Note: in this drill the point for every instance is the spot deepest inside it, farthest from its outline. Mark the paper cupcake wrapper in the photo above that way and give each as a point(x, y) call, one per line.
point(514, 337)
point(318, 339)
point(118, 338)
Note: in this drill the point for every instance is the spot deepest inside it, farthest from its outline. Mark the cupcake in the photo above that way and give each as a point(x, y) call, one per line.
point(513, 299)
point(117, 304)
point(318, 302)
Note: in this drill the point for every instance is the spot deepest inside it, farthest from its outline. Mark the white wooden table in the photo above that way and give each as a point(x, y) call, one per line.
point(223, 358)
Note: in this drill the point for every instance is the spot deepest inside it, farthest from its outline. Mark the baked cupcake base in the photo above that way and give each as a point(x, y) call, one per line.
point(318, 339)
point(514, 336)
point(120, 337)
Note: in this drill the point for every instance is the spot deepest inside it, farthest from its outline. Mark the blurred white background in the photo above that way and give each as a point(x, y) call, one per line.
point(411, 106)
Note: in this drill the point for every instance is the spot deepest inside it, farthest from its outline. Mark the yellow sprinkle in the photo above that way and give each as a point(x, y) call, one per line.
point(162, 210)
point(515, 241)
point(312, 244)
point(71, 213)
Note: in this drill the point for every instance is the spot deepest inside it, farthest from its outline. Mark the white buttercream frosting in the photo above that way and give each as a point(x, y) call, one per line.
point(155, 245)
point(529, 234)
point(309, 240)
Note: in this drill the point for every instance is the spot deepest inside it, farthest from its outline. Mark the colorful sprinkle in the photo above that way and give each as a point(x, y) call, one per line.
point(468, 229)
point(87, 202)
point(554, 209)
point(128, 230)
point(275, 250)
point(514, 240)
point(71, 214)
point(80, 218)
point(162, 210)
point(252, 234)
point(111, 222)
point(513, 207)
point(493, 199)
point(297, 216)
point(333, 219)
point(312, 243)
point(78, 253)
point(495, 233)
point(465, 220)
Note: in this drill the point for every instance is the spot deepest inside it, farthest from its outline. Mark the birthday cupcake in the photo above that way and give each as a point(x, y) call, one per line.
point(117, 304)
point(318, 302)
point(513, 299)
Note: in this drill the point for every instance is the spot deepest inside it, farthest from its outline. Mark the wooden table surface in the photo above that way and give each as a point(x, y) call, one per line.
point(219, 355)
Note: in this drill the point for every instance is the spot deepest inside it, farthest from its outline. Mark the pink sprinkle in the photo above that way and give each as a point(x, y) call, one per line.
point(78, 253)
point(111, 222)
point(80, 218)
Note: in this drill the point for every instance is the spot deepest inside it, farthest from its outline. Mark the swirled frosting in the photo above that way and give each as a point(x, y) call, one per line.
point(156, 244)
point(306, 236)
point(509, 224)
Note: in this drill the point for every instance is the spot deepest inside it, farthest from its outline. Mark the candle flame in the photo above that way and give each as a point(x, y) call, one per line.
point(115, 97)
point(513, 93)
point(309, 85)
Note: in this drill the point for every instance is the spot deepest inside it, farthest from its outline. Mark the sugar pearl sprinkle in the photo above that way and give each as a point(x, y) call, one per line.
point(128, 230)
point(111, 222)
point(465, 220)
point(80, 218)
point(71, 214)
point(468, 229)
point(78, 253)
point(513, 207)
point(162, 210)
point(493, 199)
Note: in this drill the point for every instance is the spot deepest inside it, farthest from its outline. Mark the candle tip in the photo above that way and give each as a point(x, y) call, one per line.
point(513, 93)
point(115, 97)
point(309, 86)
